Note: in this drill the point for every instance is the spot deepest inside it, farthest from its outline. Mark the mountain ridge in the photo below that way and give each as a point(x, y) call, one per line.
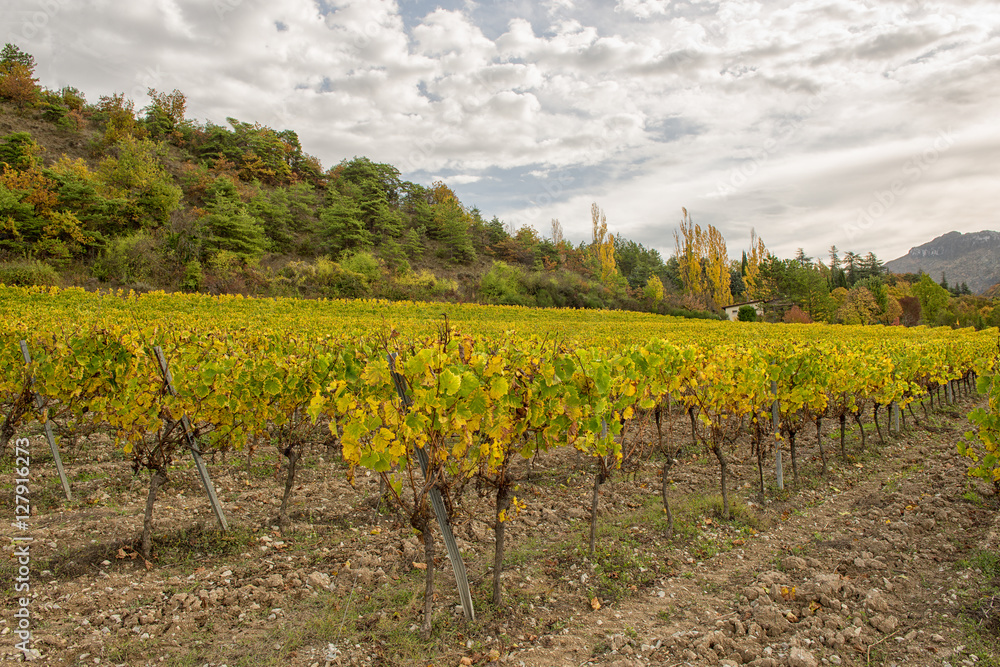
point(972, 258)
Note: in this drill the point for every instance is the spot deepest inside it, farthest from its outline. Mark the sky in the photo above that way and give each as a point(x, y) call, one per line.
point(872, 125)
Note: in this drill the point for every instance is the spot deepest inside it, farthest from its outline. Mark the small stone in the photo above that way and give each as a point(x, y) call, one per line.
point(794, 563)
point(885, 624)
point(800, 657)
point(319, 580)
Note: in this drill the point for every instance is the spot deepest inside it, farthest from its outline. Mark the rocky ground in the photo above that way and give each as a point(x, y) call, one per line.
point(889, 559)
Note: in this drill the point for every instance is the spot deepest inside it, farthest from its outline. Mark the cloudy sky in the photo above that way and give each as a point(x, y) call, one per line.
point(869, 124)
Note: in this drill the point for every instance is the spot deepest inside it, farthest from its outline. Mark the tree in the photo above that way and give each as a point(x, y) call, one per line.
point(376, 188)
point(933, 298)
point(604, 244)
point(341, 226)
point(636, 262)
point(837, 277)
point(851, 261)
point(228, 225)
point(120, 122)
point(20, 151)
point(910, 311)
point(452, 224)
point(689, 242)
point(12, 55)
point(858, 307)
point(17, 81)
point(755, 286)
point(747, 313)
point(557, 232)
point(133, 170)
point(871, 266)
point(717, 268)
point(165, 113)
point(654, 290)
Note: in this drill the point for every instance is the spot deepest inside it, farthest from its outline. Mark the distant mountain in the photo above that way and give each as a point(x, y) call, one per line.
point(972, 258)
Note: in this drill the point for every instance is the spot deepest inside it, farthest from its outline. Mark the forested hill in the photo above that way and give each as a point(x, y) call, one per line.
point(104, 194)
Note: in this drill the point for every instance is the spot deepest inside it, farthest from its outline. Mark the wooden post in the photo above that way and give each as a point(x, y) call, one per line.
point(776, 428)
point(39, 404)
point(192, 444)
point(437, 502)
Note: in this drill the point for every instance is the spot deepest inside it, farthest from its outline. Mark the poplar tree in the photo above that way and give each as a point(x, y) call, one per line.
point(604, 243)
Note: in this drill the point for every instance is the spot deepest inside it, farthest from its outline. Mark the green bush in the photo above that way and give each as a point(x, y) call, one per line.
point(364, 263)
point(747, 314)
point(25, 272)
point(20, 151)
point(127, 259)
point(503, 285)
point(326, 278)
point(193, 277)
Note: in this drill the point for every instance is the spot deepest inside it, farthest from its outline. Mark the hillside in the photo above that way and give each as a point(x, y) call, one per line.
point(972, 258)
point(106, 195)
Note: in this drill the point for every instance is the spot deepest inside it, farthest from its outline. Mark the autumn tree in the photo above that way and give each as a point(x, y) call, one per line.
point(689, 243)
point(858, 307)
point(120, 122)
point(604, 243)
point(755, 286)
point(557, 232)
point(717, 267)
point(17, 81)
point(654, 290)
point(165, 113)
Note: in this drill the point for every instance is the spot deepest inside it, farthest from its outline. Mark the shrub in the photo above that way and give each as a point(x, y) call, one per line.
point(365, 264)
point(502, 284)
point(20, 151)
point(127, 259)
point(326, 278)
point(747, 314)
point(191, 282)
point(796, 315)
point(25, 272)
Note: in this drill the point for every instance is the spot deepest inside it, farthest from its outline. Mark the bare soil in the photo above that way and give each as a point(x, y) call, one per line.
point(889, 559)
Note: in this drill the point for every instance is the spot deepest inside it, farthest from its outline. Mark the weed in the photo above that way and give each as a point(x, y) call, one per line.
point(666, 615)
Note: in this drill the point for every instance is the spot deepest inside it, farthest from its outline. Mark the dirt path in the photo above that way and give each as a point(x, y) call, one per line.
point(865, 575)
point(874, 564)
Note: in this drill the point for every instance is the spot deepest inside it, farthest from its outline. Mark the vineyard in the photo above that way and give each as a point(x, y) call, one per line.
point(443, 423)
